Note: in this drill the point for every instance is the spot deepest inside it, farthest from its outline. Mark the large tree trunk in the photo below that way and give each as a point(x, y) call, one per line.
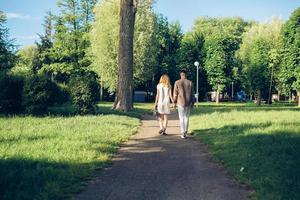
point(124, 95)
point(258, 100)
point(218, 97)
point(270, 88)
point(298, 94)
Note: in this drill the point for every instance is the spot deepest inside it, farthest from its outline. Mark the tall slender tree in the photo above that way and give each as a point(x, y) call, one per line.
point(124, 96)
point(45, 43)
point(222, 38)
point(290, 68)
point(7, 48)
point(68, 53)
point(104, 38)
point(259, 55)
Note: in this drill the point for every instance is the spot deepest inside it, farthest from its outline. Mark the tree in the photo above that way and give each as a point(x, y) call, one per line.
point(215, 64)
point(124, 93)
point(290, 67)
point(27, 61)
point(68, 54)
point(45, 44)
point(259, 54)
point(274, 56)
point(7, 48)
point(169, 36)
point(145, 43)
point(222, 37)
point(104, 37)
point(191, 50)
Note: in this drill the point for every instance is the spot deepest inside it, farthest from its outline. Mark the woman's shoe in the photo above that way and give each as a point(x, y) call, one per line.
point(164, 133)
point(161, 131)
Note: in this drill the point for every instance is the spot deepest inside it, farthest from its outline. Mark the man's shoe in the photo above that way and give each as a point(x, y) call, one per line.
point(183, 136)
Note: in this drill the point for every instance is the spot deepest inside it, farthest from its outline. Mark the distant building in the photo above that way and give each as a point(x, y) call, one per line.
point(140, 96)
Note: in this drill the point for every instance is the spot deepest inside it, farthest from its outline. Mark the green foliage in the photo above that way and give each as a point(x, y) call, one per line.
point(11, 93)
point(65, 53)
point(45, 43)
point(105, 43)
point(259, 53)
point(84, 92)
point(27, 61)
point(222, 38)
point(192, 49)
point(7, 57)
point(145, 43)
point(169, 38)
point(215, 62)
point(290, 67)
point(61, 94)
point(38, 94)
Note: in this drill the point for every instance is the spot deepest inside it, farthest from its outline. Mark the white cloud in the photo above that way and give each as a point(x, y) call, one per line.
point(27, 37)
point(17, 16)
point(11, 15)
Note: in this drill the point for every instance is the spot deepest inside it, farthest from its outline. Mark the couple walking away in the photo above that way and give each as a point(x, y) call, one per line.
point(183, 97)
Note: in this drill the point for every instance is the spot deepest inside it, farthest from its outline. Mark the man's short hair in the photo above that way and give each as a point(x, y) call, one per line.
point(183, 71)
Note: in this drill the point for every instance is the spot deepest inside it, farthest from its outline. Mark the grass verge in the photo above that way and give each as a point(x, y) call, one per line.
point(258, 145)
point(51, 157)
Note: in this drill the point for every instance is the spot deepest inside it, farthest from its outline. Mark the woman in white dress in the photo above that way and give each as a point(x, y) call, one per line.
point(162, 102)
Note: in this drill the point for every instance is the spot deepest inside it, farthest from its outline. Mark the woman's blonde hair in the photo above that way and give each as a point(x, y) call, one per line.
point(165, 80)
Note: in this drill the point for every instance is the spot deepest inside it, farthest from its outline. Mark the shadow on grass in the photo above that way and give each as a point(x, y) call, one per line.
point(26, 178)
point(23, 137)
point(104, 108)
point(270, 160)
point(208, 109)
point(23, 179)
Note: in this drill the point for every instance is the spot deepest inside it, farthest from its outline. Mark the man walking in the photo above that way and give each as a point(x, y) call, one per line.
point(184, 98)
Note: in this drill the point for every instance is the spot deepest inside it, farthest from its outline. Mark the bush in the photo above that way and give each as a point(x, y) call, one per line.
point(84, 90)
point(60, 95)
point(11, 93)
point(38, 94)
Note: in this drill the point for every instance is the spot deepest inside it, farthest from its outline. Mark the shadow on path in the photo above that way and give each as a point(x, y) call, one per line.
point(151, 166)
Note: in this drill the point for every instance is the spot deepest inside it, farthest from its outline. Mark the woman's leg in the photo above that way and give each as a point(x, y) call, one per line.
point(165, 121)
point(160, 121)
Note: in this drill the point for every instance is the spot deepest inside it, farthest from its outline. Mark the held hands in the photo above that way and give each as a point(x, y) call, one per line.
point(173, 106)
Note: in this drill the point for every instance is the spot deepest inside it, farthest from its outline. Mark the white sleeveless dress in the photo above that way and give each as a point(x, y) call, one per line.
point(163, 104)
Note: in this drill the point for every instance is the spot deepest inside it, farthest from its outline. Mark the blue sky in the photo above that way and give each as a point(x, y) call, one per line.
point(26, 16)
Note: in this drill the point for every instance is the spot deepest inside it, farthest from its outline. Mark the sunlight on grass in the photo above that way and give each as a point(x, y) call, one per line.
point(51, 157)
point(263, 141)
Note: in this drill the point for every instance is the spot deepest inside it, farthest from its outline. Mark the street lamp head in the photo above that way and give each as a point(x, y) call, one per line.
point(196, 64)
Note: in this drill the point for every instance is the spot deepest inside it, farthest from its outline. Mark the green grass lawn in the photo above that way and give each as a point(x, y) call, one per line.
point(260, 146)
point(51, 157)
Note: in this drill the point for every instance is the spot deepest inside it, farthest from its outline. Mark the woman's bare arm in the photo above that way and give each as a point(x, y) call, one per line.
point(170, 95)
point(157, 96)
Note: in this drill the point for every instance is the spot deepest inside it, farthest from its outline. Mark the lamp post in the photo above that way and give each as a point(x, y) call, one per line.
point(232, 98)
point(197, 93)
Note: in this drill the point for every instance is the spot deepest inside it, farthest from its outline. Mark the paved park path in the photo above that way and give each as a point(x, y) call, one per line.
point(155, 167)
